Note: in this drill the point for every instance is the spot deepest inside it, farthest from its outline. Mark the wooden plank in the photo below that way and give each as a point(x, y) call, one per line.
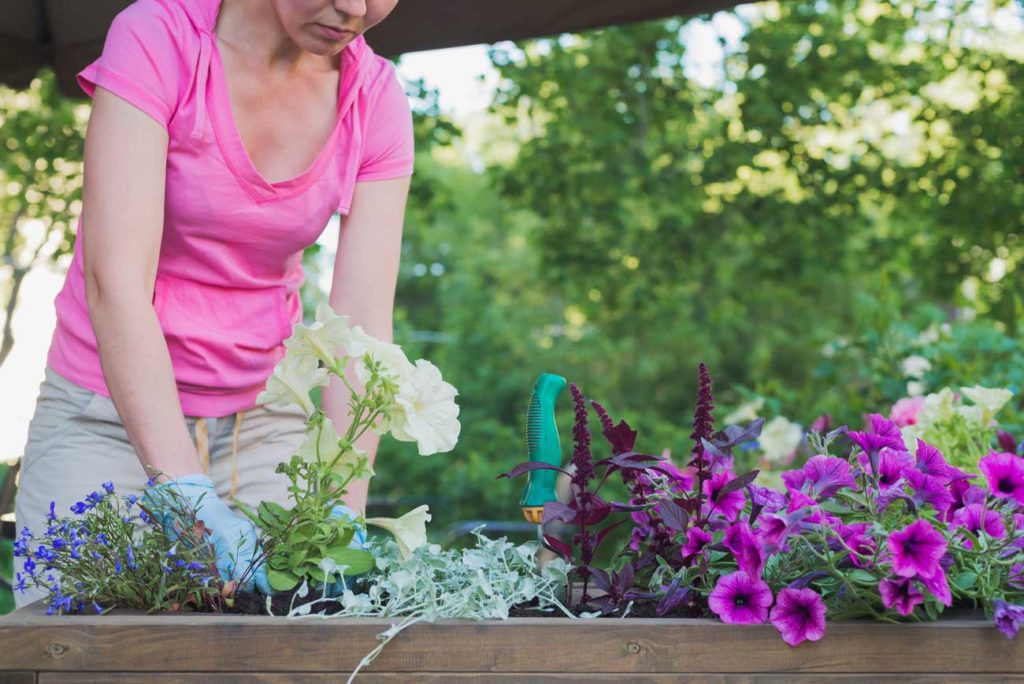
point(18, 677)
point(215, 643)
point(535, 678)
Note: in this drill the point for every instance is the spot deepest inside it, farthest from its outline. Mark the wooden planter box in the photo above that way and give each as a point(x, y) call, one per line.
point(194, 649)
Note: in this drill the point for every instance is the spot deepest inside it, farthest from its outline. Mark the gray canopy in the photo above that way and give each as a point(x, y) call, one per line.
point(68, 34)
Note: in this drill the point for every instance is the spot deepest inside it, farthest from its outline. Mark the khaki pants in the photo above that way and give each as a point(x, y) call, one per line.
point(76, 442)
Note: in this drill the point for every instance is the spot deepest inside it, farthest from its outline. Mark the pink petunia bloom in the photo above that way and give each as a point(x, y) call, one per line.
point(799, 615)
point(739, 599)
point(976, 518)
point(900, 594)
point(729, 505)
point(916, 549)
point(826, 475)
point(904, 412)
point(740, 541)
point(938, 585)
point(1005, 474)
point(696, 540)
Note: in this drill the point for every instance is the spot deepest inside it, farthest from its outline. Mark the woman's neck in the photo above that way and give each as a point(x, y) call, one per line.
point(252, 28)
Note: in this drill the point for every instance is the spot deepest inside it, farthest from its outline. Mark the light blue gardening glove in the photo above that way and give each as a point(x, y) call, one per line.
point(233, 537)
point(344, 513)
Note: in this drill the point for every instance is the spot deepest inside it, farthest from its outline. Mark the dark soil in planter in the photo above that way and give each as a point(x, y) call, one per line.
point(640, 609)
point(255, 603)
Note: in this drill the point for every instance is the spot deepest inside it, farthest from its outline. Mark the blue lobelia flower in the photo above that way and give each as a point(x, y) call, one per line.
point(108, 487)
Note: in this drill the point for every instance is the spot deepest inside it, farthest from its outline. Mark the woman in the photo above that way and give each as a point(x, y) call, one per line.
point(223, 135)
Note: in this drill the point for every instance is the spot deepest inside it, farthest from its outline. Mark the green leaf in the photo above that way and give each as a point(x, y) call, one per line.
point(249, 513)
point(281, 580)
point(357, 560)
point(297, 558)
point(273, 514)
point(965, 580)
point(862, 576)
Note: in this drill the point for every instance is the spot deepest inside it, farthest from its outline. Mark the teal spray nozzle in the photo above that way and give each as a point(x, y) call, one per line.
point(542, 445)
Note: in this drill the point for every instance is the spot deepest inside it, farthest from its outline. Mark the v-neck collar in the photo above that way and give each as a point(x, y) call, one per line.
point(230, 141)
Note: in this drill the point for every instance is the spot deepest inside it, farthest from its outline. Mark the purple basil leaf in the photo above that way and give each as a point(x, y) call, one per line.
point(734, 434)
point(713, 450)
point(675, 595)
point(559, 547)
point(596, 513)
point(604, 533)
point(736, 484)
point(556, 510)
point(601, 579)
point(529, 466)
point(621, 437)
point(674, 516)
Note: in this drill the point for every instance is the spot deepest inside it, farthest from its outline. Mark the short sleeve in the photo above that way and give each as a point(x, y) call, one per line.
point(389, 148)
point(141, 60)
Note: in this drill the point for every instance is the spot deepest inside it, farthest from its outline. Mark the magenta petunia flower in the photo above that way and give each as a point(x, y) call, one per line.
point(767, 498)
point(1005, 474)
point(916, 549)
point(1006, 441)
point(826, 475)
point(745, 547)
point(739, 599)
point(855, 538)
point(799, 615)
point(1008, 617)
point(883, 433)
point(929, 460)
point(976, 518)
point(928, 490)
point(900, 594)
point(729, 505)
point(696, 540)
point(938, 585)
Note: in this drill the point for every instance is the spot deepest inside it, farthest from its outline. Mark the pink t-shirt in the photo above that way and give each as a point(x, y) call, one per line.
point(230, 266)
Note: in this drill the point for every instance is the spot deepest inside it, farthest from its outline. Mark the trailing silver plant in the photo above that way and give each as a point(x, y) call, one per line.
point(479, 583)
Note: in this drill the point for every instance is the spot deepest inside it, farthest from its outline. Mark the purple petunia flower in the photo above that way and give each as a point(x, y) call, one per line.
point(916, 549)
point(929, 460)
point(739, 599)
point(938, 585)
point(741, 542)
point(696, 540)
point(900, 594)
point(729, 505)
point(928, 490)
point(1006, 441)
point(976, 518)
point(891, 465)
point(1008, 617)
point(767, 498)
point(1005, 474)
point(799, 615)
point(855, 538)
point(1016, 578)
point(821, 477)
point(883, 433)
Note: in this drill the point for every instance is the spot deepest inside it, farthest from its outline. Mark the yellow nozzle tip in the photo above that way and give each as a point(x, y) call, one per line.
point(534, 514)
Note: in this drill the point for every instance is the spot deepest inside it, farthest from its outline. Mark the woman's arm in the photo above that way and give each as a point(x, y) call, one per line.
point(123, 209)
point(363, 288)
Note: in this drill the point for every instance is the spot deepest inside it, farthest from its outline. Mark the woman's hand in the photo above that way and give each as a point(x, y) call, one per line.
point(122, 226)
point(233, 537)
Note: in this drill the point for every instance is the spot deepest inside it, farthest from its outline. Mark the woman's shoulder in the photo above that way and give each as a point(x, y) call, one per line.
point(178, 22)
point(379, 76)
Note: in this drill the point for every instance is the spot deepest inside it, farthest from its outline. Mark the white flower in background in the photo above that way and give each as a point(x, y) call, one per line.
point(410, 531)
point(428, 412)
point(294, 377)
point(323, 337)
point(938, 407)
point(973, 415)
point(915, 367)
point(779, 438)
point(915, 388)
point(745, 412)
point(929, 335)
point(395, 364)
point(910, 435)
point(988, 400)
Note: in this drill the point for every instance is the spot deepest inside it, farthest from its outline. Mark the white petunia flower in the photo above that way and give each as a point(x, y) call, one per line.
point(322, 338)
point(779, 438)
point(988, 400)
point(915, 367)
point(410, 531)
point(938, 407)
point(428, 412)
point(395, 364)
point(293, 379)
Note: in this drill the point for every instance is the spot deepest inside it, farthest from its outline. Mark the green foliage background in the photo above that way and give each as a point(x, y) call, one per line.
point(852, 181)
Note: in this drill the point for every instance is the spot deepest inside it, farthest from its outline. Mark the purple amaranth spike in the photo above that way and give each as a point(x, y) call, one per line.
point(703, 421)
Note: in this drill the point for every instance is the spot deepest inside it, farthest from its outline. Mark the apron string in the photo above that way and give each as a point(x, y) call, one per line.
point(203, 444)
point(234, 454)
